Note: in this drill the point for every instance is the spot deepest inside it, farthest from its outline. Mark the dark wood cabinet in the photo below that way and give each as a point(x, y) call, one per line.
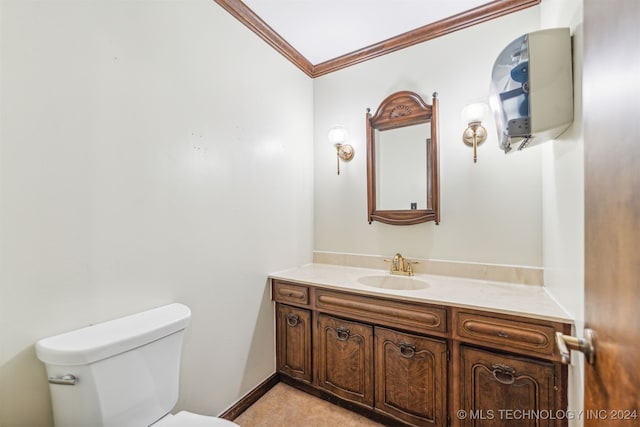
point(405, 362)
point(344, 355)
point(411, 377)
point(505, 390)
point(293, 342)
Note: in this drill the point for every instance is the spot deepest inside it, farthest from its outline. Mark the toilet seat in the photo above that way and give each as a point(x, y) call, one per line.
point(189, 419)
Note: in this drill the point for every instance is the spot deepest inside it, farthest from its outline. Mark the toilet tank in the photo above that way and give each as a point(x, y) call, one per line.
point(126, 370)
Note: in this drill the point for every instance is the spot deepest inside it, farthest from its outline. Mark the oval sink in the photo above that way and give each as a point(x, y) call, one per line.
point(399, 283)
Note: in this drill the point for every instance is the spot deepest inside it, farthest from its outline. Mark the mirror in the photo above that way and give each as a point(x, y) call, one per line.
point(402, 161)
point(401, 168)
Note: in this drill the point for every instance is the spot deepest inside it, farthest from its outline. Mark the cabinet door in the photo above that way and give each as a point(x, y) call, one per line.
point(293, 338)
point(411, 377)
point(344, 356)
point(502, 390)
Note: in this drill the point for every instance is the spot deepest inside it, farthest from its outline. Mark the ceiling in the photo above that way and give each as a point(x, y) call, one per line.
point(321, 36)
point(325, 29)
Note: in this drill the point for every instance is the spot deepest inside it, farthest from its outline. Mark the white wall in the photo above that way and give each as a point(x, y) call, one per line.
point(491, 211)
point(151, 152)
point(563, 197)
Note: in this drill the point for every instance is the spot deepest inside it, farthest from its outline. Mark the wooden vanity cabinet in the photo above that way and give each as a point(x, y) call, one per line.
point(419, 364)
point(293, 342)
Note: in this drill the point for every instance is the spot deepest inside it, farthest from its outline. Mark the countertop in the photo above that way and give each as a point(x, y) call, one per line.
point(516, 299)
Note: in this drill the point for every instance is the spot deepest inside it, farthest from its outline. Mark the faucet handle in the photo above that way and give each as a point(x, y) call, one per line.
point(395, 262)
point(409, 268)
point(397, 257)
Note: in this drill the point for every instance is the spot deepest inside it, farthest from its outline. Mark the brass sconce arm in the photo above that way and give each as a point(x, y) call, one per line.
point(344, 152)
point(473, 136)
point(337, 136)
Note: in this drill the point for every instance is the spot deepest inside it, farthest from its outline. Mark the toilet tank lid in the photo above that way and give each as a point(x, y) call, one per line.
point(102, 340)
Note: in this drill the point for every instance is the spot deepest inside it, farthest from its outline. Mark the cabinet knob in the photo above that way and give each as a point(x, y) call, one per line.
point(407, 350)
point(292, 319)
point(342, 334)
point(503, 374)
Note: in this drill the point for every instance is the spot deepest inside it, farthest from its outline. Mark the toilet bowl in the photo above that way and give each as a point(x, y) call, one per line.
point(121, 373)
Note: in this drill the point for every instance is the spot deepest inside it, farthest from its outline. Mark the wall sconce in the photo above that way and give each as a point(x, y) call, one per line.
point(475, 134)
point(337, 136)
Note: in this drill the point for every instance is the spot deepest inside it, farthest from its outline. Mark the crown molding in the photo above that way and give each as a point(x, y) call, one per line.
point(486, 12)
point(252, 21)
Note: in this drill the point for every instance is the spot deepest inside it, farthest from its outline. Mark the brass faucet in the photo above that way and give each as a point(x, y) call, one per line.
point(400, 265)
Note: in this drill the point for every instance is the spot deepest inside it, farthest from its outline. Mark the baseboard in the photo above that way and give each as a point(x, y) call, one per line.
point(250, 398)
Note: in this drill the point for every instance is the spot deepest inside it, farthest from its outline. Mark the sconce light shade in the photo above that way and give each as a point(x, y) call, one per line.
point(337, 136)
point(475, 112)
point(475, 134)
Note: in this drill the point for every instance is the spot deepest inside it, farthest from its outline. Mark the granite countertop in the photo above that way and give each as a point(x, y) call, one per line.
point(501, 297)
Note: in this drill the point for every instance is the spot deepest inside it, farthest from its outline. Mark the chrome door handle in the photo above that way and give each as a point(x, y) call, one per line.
point(586, 345)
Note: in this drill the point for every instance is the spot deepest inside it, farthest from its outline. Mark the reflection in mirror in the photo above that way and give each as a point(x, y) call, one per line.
point(401, 168)
point(402, 161)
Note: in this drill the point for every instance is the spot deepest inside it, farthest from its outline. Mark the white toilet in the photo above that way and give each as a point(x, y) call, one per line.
point(121, 373)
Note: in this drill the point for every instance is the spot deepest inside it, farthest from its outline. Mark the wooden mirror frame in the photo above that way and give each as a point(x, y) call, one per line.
point(402, 109)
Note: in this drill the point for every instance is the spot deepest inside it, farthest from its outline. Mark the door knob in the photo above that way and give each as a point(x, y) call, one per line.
point(586, 345)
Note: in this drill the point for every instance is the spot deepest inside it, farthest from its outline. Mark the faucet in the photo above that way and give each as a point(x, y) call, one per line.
point(400, 265)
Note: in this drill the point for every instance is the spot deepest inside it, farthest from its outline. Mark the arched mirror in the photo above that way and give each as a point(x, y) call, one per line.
point(402, 160)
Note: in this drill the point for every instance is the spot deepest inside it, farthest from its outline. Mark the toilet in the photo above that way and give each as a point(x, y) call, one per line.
point(121, 373)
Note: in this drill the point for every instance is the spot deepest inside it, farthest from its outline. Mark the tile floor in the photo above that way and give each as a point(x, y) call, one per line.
point(285, 406)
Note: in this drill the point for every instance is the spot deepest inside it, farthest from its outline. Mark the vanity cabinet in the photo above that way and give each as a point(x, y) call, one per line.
point(412, 363)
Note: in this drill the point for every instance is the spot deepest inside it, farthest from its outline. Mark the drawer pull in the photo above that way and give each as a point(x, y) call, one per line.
point(503, 374)
point(407, 350)
point(292, 319)
point(342, 334)
point(503, 334)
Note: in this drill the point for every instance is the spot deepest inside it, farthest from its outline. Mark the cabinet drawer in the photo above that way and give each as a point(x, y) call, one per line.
point(290, 293)
point(509, 334)
point(382, 311)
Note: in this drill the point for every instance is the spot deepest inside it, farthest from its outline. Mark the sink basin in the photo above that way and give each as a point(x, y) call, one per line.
point(399, 283)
